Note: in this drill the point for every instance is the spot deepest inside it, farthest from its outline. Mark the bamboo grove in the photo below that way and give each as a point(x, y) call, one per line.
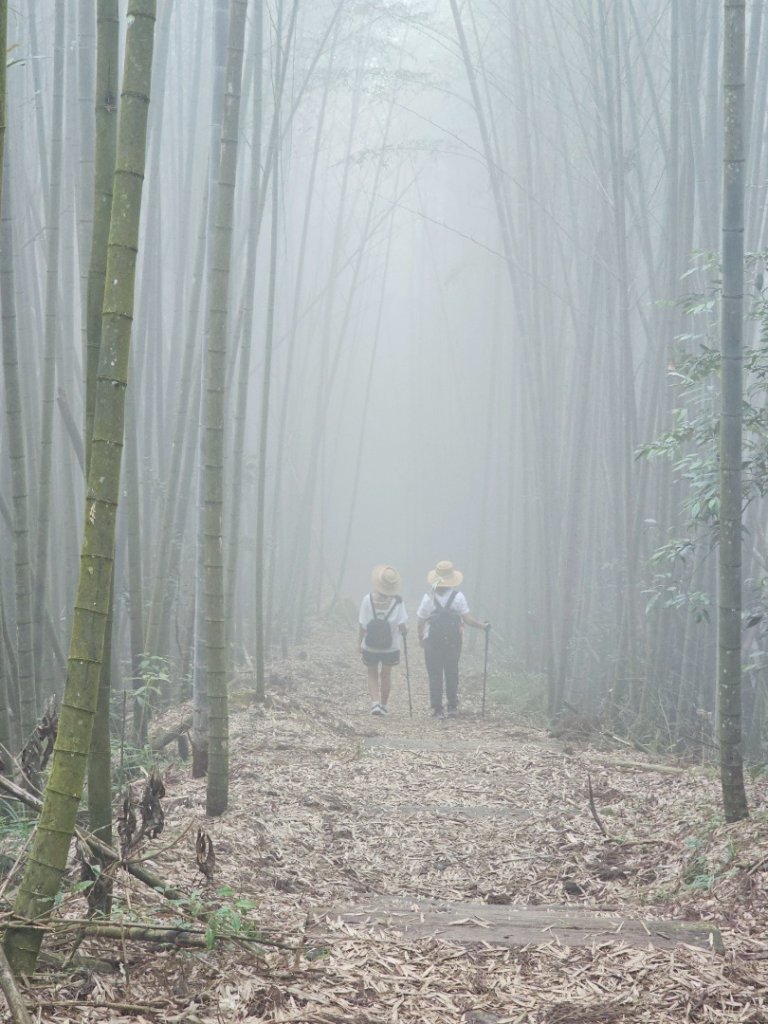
point(411, 278)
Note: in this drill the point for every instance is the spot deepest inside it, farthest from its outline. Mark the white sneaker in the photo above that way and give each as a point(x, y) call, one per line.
point(376, 710)
point(383, 709)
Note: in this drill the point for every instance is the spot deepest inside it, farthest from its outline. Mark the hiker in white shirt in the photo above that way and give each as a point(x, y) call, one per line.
point(442, 615)
point(381, 620)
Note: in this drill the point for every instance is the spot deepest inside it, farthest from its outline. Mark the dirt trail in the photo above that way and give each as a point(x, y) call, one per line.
point(331, 808)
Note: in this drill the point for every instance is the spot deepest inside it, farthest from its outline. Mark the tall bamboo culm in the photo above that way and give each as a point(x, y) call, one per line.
point(48, 854)
point(731, 366)
point(214, 638)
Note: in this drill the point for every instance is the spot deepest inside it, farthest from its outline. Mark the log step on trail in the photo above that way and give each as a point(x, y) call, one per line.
point(446, 745)
point(450, 811)
point(471, 923)
point(440, 745)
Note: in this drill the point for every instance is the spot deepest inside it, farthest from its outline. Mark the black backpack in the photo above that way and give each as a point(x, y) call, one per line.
point(445, 624)
point(378, 633)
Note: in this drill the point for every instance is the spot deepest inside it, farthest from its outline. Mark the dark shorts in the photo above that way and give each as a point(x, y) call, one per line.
point(385, 657)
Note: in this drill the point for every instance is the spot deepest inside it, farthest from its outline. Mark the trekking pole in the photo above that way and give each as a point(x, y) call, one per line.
point(485, 665)
point(407, 675)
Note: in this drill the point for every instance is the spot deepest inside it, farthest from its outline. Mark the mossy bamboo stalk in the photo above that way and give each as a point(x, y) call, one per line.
point(107, 42)
point(50, 846)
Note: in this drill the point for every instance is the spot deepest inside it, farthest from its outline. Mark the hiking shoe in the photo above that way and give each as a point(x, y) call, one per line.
point(451, 712)
point(437, 713)
point(383, 709)
point(376, 710)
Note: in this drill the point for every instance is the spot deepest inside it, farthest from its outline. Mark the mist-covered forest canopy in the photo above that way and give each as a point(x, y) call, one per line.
point(495, 283)
point(290, 290)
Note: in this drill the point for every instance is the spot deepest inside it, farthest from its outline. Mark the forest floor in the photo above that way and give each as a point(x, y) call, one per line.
point(415, 863)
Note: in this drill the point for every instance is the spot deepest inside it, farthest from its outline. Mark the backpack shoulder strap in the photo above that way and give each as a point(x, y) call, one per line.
point(395, 603)
point(449, 602)
point(373, 606)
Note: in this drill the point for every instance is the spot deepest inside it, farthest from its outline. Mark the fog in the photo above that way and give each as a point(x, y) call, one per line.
point(480, 222)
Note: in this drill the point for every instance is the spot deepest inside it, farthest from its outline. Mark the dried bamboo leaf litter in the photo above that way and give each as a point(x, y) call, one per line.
point(331, 807)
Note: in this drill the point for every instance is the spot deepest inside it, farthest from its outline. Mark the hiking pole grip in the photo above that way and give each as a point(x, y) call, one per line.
point(407, 675)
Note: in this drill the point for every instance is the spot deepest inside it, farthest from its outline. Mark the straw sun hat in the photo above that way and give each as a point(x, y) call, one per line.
point(444, 575)
point(385, 580)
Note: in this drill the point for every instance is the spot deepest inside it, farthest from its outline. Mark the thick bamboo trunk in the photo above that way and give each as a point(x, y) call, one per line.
point(15, 423)
point(261, 484)
point(214, 631)
point(4, 45)
point(731, 365)
point(48, 853)
point(52, 325)
point(107, 42)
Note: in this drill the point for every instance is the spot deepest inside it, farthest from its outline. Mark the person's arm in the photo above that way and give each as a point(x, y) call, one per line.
point(362, 618)
point(422, 615)
point(421, 625)
point(402, 617)
point(470, 620)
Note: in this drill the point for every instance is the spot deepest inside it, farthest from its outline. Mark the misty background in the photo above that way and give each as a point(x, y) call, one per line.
point(492, 231)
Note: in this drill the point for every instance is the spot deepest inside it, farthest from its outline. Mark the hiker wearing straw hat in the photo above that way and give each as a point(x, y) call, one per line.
point(442, 615)
point(382, 621)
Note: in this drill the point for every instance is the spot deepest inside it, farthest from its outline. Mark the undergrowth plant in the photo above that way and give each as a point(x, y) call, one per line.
point(225, 913)
point(691, 445)
point(153, 677)
point(15, 827)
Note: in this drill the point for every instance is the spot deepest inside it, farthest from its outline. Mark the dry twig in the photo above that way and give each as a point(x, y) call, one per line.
point(592, 808)
point(19, 1012)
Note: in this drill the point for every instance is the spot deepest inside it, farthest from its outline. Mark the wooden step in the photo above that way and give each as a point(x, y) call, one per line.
point(471, 923)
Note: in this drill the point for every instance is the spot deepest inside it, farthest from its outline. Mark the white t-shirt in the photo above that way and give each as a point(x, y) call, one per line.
point(398, 617)
point(431, 600)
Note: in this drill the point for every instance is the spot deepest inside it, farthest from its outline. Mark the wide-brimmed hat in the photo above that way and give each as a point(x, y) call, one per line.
point(444, 575)
point(385, 579)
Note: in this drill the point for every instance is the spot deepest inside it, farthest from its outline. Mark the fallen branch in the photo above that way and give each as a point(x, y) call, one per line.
point(757, 865)
point(133, 868)
point(98, 847)
point(592, 807)
point(122, 1007)
point(641, 766)
point(633, 744)
point(19, 1012)
point(96, 965)
point(135, 932)
point(164, 738)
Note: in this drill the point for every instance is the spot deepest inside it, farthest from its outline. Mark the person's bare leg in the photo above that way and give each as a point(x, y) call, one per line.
point(373, 684)
point(386, 683)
